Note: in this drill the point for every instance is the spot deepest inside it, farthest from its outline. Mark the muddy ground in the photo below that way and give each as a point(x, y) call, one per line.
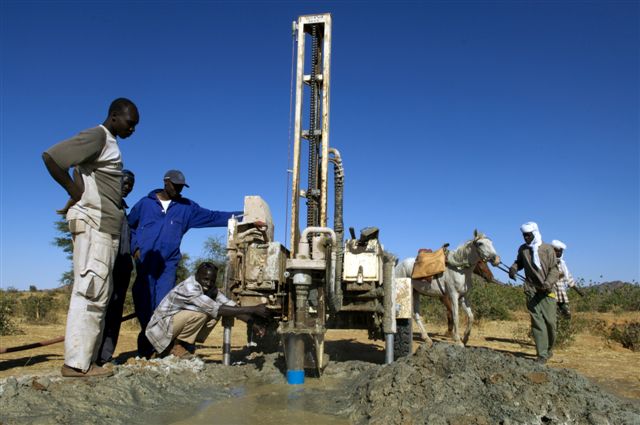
point(445, 384)
point(442, 384)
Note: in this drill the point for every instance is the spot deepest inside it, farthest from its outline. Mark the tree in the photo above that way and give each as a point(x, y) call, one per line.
point(38, 308)
point(183, 271)
point(215, 251)
point(64, 241)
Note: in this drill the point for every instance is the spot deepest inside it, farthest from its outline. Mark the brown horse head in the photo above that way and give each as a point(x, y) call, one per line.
point(483, 271)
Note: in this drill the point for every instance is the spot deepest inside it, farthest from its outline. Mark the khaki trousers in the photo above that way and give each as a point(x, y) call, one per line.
point(542, 310)
point(93, 255)
point(192, 326)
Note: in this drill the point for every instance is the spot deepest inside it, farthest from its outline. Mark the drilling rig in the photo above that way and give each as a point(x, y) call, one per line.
point(322, 281)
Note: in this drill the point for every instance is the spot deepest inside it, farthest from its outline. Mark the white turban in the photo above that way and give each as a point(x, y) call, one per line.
point(531, 227)
point(561, 264)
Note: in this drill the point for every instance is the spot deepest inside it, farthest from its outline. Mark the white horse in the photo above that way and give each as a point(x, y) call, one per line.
point(452, 285)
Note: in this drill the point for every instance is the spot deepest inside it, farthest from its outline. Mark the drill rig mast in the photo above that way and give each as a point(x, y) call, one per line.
point(321, 281)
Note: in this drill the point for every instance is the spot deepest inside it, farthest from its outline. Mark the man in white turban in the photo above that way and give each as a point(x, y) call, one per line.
point(564, 281)
point(538, 260)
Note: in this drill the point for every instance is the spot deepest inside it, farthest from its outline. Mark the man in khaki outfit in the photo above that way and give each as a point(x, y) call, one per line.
point(95, 219)
point(538, 260)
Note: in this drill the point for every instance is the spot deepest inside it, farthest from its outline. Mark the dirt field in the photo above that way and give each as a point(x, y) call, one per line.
point(613, 367)
point(351, 390)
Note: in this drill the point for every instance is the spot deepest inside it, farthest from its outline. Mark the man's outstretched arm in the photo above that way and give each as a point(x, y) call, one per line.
point(244, 313)
point(202, 217)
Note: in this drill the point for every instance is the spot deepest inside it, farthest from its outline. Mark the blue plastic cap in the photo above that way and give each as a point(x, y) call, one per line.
point(295, 377)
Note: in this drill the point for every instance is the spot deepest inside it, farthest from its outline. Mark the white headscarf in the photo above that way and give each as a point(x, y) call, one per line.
point(563, 266)
point(531, 227)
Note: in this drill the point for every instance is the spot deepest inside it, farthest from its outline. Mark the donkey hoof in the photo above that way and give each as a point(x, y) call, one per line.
point(459, 344)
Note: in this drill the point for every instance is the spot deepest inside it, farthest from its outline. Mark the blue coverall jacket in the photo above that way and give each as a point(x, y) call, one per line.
point(158, 236)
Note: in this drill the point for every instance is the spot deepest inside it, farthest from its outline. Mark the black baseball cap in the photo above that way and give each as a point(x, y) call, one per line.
point(175, 177)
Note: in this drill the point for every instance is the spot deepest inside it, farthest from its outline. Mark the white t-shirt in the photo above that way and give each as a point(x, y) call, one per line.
point(165, 205)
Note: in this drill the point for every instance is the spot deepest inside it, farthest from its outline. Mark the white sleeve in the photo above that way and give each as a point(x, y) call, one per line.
point(223, 300)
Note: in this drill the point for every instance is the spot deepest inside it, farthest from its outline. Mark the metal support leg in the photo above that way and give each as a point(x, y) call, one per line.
point(226, 340)
point(388, 348)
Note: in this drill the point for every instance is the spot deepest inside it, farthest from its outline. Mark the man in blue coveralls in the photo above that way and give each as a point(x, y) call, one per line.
point(158, 222)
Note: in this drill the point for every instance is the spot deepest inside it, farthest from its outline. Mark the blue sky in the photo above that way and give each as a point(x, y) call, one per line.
point(449, 116)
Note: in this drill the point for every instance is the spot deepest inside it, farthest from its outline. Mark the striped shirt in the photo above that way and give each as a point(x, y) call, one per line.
point(564, 282)
point(187, 295)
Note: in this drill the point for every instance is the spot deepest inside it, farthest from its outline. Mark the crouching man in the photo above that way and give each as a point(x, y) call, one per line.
point(188, 313)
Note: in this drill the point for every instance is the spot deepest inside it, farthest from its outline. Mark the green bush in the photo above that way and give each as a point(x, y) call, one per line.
point(7, 307)
point(594, 326)
point(627, 334)
point(38, 308)
point(432, 310)
point(522, 334)
point(624, 297)
point(566, 331)
point(490, 301)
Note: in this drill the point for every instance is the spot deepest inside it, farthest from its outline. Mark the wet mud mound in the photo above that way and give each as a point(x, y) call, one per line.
point(445, 384)
point(163, 391)
point(140, 392)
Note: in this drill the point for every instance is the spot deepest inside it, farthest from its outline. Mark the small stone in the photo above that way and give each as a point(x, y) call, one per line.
point(538, 377)
point(495, 378)
point(40, 384)
point(436, 420)
point(10, 387)
point(596, 418)
point(123, 373)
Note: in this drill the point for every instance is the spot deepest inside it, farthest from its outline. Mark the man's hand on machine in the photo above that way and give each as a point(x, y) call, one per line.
point(260, 310)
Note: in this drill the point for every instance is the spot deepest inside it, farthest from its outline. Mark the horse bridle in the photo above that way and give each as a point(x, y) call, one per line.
point(475, 243)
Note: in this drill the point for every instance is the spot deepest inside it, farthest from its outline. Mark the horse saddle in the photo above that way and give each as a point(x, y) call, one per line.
point(429, 263)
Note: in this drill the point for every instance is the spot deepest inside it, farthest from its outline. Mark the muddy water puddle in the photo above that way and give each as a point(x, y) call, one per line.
point(312, 403)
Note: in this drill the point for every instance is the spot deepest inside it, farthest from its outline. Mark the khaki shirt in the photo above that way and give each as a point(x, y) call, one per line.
point(538, 279)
